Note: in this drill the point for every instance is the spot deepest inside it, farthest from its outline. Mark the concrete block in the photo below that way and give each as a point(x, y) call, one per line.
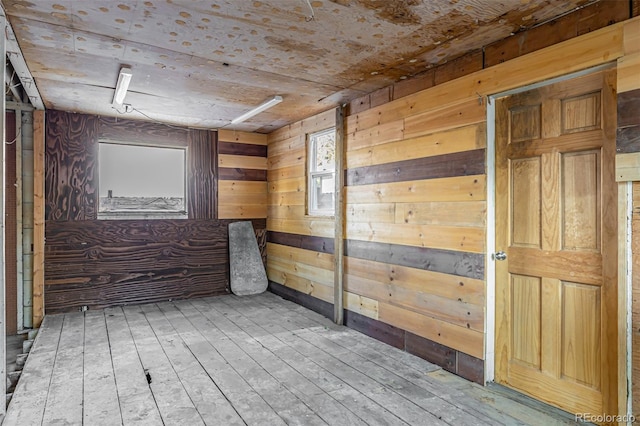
point(247, 272)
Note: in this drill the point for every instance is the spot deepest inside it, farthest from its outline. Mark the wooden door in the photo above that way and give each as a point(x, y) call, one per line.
point(556, 220)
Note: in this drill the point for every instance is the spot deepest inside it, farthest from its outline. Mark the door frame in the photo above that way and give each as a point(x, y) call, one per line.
point(624, 247)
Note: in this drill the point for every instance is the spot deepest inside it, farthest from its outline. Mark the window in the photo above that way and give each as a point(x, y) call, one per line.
point(141, 182)
point(322, 170)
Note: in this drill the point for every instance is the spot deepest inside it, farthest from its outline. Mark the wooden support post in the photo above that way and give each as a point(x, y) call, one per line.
point(338, 252)
point(3, 301)
point(19, 220)
point(38, 217)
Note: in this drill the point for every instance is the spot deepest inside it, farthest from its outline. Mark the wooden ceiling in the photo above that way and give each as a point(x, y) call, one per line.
point(202, 63)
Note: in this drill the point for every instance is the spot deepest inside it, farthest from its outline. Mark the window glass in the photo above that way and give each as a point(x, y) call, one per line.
point(138, 181)
point(321, 179)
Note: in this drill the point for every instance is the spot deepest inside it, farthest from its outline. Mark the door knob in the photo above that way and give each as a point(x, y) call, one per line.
point(499, 256)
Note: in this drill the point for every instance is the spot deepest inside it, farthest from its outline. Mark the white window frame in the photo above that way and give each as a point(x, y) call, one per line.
point(146, 214)
point(312, 151)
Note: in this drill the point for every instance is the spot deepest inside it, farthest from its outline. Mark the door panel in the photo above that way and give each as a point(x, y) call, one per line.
point(556, 220)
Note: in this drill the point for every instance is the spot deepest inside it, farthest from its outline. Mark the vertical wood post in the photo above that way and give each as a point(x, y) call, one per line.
point(19, 220)
point(338, 251)
point(38, 217)
point(3, 224)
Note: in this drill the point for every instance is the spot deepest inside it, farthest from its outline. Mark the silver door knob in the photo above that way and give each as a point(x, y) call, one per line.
point(499, 256)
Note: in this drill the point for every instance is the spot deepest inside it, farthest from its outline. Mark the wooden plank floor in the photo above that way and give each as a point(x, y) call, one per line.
point(256, 360)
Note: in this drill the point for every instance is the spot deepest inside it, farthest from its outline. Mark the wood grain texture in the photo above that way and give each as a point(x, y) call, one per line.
point(307, 242)
point(123, 130)
point(469, 265)
point(235, 148)
point(628, 140)
point(201, 175)
point(629, 108)
point(70, 170)
point(115, 262)
point(441, 166)
point(225, 173)
point(39, 215)
point(457, 140)
point(629, 66)
point(466, 64)
point(309, 302)
point(242, 137)
point(461, 188)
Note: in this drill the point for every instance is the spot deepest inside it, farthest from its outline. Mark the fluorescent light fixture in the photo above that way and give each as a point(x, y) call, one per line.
point(124, 78)
point(257, 110)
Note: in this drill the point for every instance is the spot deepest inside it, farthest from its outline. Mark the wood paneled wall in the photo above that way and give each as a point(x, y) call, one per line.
point(99, 263)
point(242, 162)
point(300, 247)
point(415, 224)
point(416, 206)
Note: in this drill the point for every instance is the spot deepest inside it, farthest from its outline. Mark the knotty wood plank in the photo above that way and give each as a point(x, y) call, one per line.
point(469, 265)
point(172, 400)
point(233, 211)
point(226, 173)
point(629, 108)
point(308, 286)
point(416, 83)
point(242, 137)
point(460, 238)
point(65, 399)
point(454, 336)
point(456, 140)
point(100, 397)
point(461, 188)
point(302, 299)
point(306, 242)
point(233, 148)
point(30, 396)
point(461, 213)
point(628, 167)
point(627, 69)
point(310, 225)
point(295, 143)
point(242, 162)
point(376, 135)
point(137, 403)
point(295, 170)
point(468, 112)
point(628, 140)
point(232, 187)
point(453, 287)
point(299, 255)
point(466, 64)
point(39, 215)
point(444, 309)
point(441, 166)
point(297, 184)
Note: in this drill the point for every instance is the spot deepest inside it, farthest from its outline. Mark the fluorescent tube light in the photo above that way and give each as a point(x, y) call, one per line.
point(257, 110)
point(124, 78)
